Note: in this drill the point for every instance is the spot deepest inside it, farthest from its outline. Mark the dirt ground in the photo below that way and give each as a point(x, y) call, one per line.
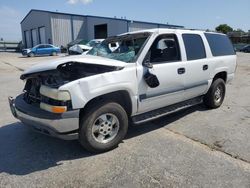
point(193, 148)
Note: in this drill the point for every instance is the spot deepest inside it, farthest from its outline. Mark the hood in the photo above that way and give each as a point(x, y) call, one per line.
point(85, 47)
point(27, 49)
point(87, 59)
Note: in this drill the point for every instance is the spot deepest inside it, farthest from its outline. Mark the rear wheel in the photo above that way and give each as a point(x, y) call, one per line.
point(216, 94)
point(103, 127)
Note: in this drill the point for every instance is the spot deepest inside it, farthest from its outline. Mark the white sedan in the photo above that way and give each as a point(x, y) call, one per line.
point(80, 48)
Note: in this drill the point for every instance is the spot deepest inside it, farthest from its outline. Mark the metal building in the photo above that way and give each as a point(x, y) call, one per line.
point(57, 28)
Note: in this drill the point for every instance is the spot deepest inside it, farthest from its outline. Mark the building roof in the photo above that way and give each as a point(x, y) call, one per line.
point(52, 12)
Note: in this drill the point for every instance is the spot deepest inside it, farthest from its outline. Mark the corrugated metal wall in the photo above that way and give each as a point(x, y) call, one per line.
point(27, 39)
point(61, 29)
point(66, 28)
point(34, 37)
point(42, 35)
point(78, 27)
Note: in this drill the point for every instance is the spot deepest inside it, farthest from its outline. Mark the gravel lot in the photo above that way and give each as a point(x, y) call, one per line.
point(193, 148)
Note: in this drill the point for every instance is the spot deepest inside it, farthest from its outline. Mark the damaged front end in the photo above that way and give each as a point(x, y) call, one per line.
point(42, 88)
point(47, 109)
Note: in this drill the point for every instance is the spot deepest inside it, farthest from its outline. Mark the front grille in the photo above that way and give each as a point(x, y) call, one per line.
point(32, 91)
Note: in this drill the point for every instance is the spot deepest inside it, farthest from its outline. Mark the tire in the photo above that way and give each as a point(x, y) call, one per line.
point(31, 54)
point(97, 120)
point(53, 53)
point(216, 94)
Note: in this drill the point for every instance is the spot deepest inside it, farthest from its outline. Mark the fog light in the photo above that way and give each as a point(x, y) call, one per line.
point(53, 109)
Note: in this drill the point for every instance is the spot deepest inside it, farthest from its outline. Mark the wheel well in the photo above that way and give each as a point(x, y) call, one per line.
point(120, 97)
point(222, 75)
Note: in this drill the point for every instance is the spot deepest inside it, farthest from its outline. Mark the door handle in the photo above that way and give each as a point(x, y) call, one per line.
point(181, 70)
point(205, 67)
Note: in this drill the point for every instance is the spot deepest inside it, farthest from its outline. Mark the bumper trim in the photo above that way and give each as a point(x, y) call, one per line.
point(64, 126)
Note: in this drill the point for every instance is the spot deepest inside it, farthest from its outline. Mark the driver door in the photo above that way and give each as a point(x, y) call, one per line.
point(165, 57)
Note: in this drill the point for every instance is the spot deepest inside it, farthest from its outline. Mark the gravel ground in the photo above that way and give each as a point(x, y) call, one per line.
point(193, 148)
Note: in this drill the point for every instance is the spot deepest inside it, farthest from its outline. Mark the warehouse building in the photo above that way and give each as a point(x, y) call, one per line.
point(57, 28)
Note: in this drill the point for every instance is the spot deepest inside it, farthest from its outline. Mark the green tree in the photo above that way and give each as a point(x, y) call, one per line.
point(224, 28)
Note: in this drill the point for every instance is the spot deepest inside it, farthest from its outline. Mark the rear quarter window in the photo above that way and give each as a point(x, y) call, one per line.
point(220, 45)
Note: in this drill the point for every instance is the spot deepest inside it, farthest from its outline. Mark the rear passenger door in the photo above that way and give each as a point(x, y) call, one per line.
point(48, 49)
point(197, 66)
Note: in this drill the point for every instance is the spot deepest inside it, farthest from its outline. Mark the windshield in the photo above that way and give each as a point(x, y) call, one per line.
point(37, 46)
point(124, 48)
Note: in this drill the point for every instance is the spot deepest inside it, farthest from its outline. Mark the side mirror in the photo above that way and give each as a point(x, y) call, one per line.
point(151, 80)
point(146, 63)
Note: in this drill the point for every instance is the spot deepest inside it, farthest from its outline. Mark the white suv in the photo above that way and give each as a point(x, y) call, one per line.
point(150, 74)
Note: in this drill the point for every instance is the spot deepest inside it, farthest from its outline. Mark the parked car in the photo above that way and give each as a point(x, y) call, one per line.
point(239, 46)
point(246, 49)
point(78, 49)
point(77, 41)
point(41, 49)
point(151, 74)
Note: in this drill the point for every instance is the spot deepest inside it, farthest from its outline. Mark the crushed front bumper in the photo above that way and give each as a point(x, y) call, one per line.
point(64, 126)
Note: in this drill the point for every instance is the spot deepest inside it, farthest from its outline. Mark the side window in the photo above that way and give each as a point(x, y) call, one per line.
point(165, 49)
point(194, 46)
point(49, 46)
point(220, 45)
point(41, 46)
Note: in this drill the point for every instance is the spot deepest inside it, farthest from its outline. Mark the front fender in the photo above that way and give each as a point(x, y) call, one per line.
point(86, 89)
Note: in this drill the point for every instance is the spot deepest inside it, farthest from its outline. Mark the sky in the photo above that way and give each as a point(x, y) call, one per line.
point(194, 14)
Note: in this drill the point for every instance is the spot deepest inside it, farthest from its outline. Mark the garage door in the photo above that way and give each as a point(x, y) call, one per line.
point(27, 39)
point(42, 39)
point(101, 31)
point(34, 37)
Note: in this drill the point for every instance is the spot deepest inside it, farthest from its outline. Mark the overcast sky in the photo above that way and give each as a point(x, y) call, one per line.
point(198, 14)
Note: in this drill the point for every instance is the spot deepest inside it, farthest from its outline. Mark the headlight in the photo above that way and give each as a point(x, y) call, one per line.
point(55, 93)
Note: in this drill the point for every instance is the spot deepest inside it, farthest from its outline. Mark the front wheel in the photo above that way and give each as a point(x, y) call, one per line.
point(54, 54)
point(216, 94)
point(103, 127)
point(31, 54)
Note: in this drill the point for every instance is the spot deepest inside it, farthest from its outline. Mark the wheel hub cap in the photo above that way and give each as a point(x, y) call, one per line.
point(105, 128)
point(218, 94)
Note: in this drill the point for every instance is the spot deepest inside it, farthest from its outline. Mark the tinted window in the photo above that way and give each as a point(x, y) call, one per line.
point(48, 46)
point(40, 46)
point(220, 44)
point(165, 49)
point(194, 46)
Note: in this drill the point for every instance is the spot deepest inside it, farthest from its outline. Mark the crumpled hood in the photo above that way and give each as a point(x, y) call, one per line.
point(87, 59)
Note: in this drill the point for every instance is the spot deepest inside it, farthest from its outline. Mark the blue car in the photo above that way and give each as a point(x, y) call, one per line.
point(41, 49)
